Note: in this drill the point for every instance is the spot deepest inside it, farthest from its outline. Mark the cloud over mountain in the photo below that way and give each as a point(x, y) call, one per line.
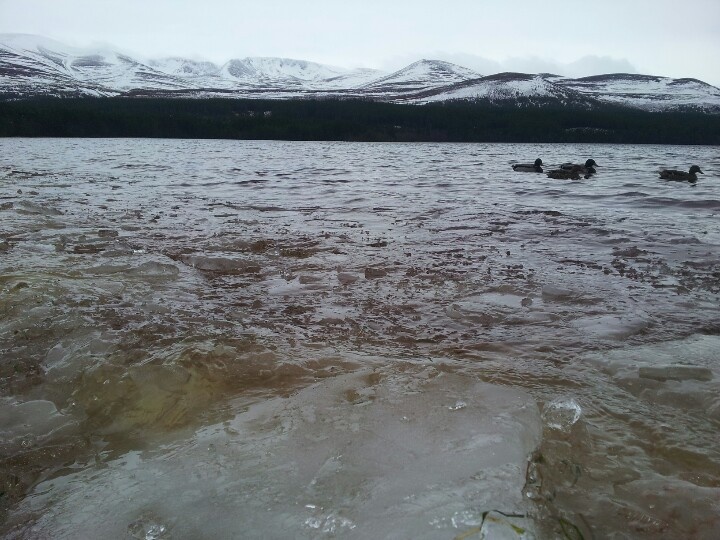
point(582, 67)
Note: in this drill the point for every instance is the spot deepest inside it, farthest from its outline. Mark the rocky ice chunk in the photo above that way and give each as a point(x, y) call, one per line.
point(357, 456)
point(24, 423)
point(675, 373)
point(562, 413)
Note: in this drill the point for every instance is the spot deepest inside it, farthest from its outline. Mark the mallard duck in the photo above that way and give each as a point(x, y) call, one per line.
point(588, 168)
point(527, 167)
point(564, 174)
point(681, 176)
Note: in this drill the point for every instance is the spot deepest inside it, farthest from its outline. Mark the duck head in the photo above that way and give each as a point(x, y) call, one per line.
point(591, 163)
point(538, 162)
point(695, 169)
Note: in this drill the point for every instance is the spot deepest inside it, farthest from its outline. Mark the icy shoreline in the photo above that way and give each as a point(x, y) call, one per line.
point(417, 454)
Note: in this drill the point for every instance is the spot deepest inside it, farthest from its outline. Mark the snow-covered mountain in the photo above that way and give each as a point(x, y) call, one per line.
point(645, 91)
point(33, 66)
point(291, 74)
point(420, 76)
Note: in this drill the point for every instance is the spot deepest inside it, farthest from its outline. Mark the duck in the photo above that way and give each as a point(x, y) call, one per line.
point(588, 168)
point(564, 174)
point(681, 176)
point(527, 167)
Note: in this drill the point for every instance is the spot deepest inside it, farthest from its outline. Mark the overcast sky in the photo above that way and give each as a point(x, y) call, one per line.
point(573, 37)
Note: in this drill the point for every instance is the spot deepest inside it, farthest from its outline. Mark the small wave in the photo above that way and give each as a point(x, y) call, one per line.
point(712, 204)
point(322, 171)
point(685, 241)
point(551, 192)
point(25, 207)
point(221, 265)
point(148, 167)
point(251, 182)
point(153, 269)
point(630, 194)
point(210, 184)
point(709, 204)
point(26, 174)
point(336, 181)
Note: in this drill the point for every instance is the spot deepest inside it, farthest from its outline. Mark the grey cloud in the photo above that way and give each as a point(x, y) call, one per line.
point(587, 65)
point(595, 65)
point(533, 64)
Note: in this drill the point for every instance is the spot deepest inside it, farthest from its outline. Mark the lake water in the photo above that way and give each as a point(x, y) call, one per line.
point(233, 339)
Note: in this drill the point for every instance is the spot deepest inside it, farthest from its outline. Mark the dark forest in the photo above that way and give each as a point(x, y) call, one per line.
point(351, 120)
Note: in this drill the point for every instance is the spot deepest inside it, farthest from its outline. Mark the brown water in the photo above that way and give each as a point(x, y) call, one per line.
point(206, 339)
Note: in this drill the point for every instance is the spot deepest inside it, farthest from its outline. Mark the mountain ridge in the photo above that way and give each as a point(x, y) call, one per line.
point(34, 66)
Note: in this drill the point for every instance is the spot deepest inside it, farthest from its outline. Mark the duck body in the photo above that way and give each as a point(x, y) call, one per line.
point(587, 169)
point(681, 176)
point(564, 174)
point(527, 167)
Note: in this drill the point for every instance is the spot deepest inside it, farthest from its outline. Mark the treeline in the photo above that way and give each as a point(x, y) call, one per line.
point(352, 120)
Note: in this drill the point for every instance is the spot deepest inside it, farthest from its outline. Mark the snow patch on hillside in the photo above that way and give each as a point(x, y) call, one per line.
point(646, 92)
point(496, 88)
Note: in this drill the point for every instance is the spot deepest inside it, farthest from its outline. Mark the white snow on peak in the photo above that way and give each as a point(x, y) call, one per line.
point(33, 43)
point(294, 74)
point(47, 47)
point(259, 69)
point(423, 74)
point(183, 67)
